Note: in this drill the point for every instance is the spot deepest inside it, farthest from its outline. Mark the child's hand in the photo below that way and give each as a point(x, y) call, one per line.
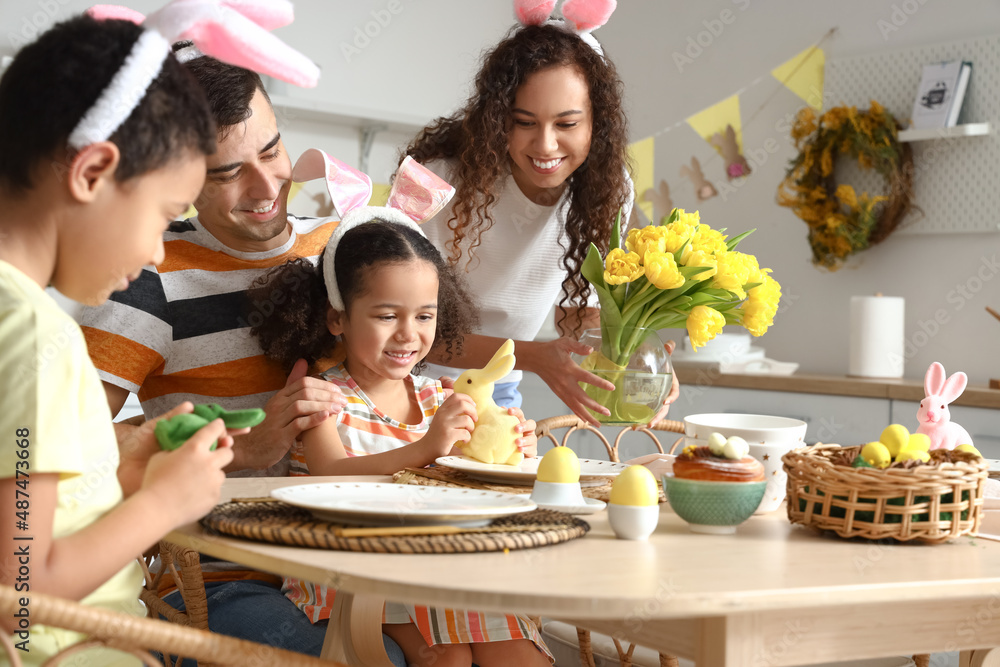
point(447, 384)
point(453, 422)
point(187, 481)
point(527, 444)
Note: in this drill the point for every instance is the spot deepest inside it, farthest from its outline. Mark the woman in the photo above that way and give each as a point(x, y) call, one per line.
point(538, 157)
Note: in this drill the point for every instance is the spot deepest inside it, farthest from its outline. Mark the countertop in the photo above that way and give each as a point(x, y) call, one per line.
point(979, 396)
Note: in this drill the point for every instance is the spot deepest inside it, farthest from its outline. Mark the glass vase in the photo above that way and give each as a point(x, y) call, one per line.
point(637, 363)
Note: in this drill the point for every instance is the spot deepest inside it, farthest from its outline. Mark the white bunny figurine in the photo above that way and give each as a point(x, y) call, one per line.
point(933, 414)
point(494, 439)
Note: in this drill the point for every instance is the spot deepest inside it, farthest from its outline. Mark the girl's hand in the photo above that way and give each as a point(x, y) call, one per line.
point(187, 482)
point(527, 444)
point(453, 422)
point(447, 384)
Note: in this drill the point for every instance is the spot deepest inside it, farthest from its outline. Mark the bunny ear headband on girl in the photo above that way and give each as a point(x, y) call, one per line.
point(579, 16)
point(417, 194)
point(233, 31)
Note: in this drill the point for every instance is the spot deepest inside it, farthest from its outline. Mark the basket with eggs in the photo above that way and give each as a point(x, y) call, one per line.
point(897, 487)
point(925, 486)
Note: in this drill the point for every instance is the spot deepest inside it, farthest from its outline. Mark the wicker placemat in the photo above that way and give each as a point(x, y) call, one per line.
point(443, 476)
point(267, 520)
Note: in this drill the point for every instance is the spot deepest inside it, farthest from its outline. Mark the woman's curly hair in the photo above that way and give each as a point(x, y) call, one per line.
point(475, 138)
point(297, 327)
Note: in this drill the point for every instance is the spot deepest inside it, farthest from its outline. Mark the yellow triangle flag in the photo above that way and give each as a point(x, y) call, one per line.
point(294, 190)
point(803, 75)
point(714, 119)
point(641, 155)
point(380, 194)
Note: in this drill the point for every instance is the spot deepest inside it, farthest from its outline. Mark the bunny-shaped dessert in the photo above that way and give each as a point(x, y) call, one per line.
point(494, 438)
point(933, 414)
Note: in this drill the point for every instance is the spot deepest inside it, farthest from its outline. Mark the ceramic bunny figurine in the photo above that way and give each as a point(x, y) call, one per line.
point(494, 438)
point(933, 414)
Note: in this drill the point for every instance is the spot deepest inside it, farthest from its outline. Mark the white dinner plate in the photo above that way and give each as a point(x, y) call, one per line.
point(593, 472)
point(372, 504)
point(590, 506)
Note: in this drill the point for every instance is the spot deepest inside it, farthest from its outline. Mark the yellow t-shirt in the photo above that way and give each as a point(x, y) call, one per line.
point(54, 408)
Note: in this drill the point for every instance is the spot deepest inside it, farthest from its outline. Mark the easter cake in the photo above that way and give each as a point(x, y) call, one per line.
point(722, 460)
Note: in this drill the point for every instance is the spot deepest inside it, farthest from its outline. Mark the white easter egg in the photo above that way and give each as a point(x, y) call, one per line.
point(716, 442)
point(736, 448)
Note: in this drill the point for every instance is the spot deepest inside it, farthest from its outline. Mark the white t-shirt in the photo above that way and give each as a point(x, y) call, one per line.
point(516, 275)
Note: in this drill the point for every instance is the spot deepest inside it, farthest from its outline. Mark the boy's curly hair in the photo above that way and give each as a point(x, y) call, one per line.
point(297, 326)
point(475, 138)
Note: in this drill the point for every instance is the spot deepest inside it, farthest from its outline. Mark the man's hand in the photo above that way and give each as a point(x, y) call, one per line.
point(303, 403)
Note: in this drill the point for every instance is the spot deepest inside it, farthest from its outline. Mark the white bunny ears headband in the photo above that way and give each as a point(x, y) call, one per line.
point(417, 194)
point(233, 31)
point(579, 16)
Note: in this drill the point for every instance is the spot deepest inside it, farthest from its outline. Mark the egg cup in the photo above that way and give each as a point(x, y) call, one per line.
point(564, 497)
point(633, 522)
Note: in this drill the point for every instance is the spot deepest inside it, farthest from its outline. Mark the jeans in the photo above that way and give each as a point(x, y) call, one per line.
point(506, 395)
point(259, 612)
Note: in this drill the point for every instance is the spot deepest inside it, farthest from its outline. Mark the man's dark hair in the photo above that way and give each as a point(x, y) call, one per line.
point(229, 89)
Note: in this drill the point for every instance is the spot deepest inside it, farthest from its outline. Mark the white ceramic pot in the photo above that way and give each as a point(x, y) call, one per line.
point(769, 438)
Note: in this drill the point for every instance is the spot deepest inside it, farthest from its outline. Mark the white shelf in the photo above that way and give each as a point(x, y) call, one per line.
point(967, 130)
point(289, 110)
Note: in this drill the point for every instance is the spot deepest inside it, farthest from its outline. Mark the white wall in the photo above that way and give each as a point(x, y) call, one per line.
point(422, 58)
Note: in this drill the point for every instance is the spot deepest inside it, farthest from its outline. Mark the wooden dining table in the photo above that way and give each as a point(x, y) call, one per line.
point(771, 594)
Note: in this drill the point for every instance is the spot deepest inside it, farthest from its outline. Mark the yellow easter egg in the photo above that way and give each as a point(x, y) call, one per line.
point(894, 437)
point(560, 465)
point(912, 453)
point(919, 441)
point(636, 485)
point(876, 455)
point(968, 448)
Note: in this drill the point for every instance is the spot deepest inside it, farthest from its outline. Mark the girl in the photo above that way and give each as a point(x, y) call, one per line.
point(539, 156)
point(387, 293)
point(103, 138)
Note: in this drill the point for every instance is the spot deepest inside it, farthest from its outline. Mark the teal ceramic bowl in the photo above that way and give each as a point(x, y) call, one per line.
point(713, 507)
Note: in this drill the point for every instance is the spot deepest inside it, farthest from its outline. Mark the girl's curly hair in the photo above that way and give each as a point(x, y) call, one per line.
point(475, 138)
point(297, 328)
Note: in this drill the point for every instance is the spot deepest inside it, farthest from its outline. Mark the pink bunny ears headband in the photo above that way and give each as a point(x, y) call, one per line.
point(417, 194)
point(233, 31)
point(579, 16)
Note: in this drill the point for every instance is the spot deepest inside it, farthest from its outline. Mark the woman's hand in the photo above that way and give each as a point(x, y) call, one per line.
point(675, 391)
point(551, 361)
point(527, 444)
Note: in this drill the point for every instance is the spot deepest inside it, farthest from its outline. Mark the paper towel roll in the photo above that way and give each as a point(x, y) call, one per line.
point(877, 336)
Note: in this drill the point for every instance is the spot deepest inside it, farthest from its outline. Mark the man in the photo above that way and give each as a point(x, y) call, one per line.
point(181, 331)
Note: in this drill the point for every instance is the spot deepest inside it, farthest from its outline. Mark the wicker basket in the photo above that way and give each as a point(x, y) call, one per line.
point(931, 503)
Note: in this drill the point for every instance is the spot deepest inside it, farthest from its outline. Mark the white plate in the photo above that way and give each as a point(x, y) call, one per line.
point(590, 506)
point(370, 504)
point(593, 472)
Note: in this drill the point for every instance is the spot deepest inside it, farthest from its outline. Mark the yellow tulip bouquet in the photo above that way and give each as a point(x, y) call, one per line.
point(678, 274)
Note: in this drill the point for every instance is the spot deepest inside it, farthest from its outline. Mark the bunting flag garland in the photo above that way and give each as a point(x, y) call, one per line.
point(802, 75)
point(641, 156)
point(716, 118)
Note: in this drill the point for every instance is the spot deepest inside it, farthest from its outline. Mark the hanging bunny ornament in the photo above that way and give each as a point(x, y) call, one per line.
point(417, 194)
point(579, 16)
point(233, 31)
point(933, 414)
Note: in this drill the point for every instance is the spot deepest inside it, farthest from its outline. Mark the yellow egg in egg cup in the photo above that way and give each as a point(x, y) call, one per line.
point(634, 505)
point(557, 484)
